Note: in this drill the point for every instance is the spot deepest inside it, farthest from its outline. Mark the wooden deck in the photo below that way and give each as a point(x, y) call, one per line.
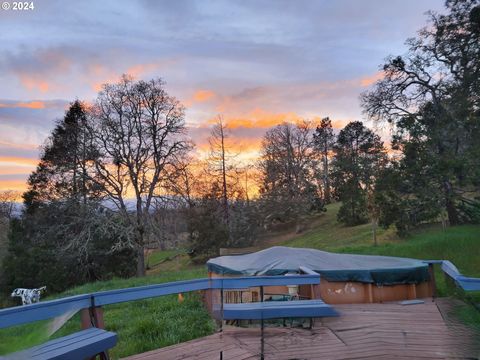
point(363, 331)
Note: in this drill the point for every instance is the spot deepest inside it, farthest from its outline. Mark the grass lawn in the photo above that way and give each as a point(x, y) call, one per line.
point(459, 244)
point(328, 234)
point(141, 325)
point(158, 257)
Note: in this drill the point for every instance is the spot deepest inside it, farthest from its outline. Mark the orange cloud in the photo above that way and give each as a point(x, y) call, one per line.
point(369, 80)
point(28, 105)
point(238, 145)
point(16, 185)
point(15, 170)
point(19, 161)
point(262, 119)
point(259, 118)
point(203, 95)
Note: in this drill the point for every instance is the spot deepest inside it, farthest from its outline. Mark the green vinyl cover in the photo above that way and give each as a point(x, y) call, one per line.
point(280, 260)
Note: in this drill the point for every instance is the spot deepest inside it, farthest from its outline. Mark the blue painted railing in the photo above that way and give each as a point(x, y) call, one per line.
point(53, 308)
point(465, 283)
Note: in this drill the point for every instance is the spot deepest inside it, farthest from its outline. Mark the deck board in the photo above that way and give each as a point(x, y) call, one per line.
point(363, 331)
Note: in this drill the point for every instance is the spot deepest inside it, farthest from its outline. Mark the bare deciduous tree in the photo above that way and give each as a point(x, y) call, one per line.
point(289, 171)
point(221, 163)
point(138, 130)
point(7, 203)
point(7, 208)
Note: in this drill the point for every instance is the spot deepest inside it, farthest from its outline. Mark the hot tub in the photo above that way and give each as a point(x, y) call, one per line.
point(344, 278)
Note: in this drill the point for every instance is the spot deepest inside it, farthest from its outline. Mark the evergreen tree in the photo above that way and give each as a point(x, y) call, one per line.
point(207, 232)
point(63, 168)
point(324, 139)
point(359, 155)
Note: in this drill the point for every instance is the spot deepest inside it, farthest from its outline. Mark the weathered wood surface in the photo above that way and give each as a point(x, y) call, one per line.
point(363, 331)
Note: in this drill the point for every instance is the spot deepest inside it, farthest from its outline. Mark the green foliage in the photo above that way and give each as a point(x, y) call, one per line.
point(244, 223)
point(405, 199)
point(62, 170)
point(436, 121)
point(207, 232)
point(324, 140)
point(359, 157)
point(209, 229)
point(65, 244)
point(354, 205)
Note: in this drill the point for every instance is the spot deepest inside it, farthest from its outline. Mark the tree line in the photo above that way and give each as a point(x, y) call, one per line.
point(119, 175)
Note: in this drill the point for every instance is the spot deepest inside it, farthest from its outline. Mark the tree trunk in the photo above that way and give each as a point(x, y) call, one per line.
point(140, 262)
point(140, 248)
point(224, 178)
point(452, 213)
point(326, 180)
point(374, 231)
point(84, 166)
point(450, 205)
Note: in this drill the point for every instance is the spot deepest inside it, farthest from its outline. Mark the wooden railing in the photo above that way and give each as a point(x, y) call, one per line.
point(49, 309)
point(463, 282)
point(91, 302)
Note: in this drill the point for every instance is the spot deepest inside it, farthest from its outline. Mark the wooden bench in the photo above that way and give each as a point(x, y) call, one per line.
point(78, 346)
point(275, 310)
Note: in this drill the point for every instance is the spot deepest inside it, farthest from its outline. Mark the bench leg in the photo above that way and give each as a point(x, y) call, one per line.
point(103, 356)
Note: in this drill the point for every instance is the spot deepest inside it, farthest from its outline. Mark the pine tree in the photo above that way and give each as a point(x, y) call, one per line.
point(359, 155)
point(324, 139)
point(62, 172)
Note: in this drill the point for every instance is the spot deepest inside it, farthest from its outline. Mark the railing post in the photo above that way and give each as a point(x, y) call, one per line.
point(92, 316)
point(262, 325)
point(433, 283)
point(221, 318)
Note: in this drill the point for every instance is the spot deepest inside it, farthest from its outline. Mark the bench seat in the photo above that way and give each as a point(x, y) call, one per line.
point(78, 346)
point(275, 310)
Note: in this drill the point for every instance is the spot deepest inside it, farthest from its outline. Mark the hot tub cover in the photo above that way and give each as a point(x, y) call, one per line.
point(280, 260)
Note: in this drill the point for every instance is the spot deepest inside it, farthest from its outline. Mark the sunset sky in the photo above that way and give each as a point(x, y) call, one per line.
point(257, 63)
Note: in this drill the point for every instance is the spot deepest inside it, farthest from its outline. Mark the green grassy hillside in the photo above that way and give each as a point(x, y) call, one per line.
point(328, 234)
point(459, 244)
